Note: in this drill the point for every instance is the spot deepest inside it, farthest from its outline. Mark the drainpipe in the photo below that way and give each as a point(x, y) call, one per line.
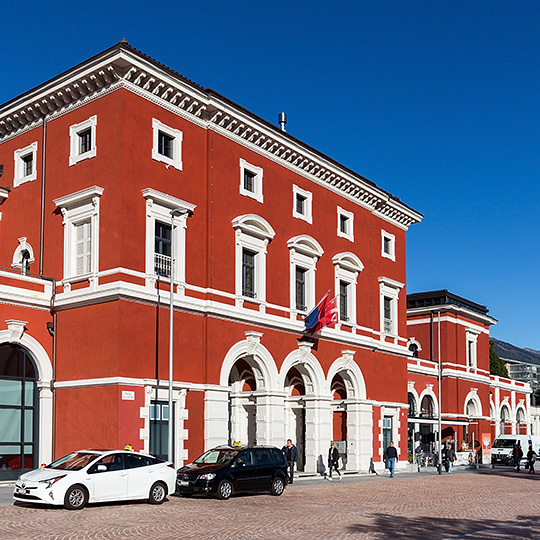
point(51, 327)
point(42, 218)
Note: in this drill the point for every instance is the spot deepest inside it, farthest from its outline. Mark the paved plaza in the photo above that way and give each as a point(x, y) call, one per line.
point(480, 504)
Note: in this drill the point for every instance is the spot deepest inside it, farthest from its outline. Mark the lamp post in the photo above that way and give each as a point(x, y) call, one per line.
point(174, 213)
point(440, 379)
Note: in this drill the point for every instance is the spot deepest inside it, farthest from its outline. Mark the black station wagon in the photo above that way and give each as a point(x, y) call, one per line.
point(225, 470)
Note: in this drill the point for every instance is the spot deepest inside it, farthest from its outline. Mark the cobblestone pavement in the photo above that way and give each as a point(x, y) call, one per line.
point(488, 504)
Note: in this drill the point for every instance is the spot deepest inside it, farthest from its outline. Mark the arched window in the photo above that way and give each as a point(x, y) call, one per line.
point(472, 409)
point(18, 411)
point(412, 405)
point(427, 407)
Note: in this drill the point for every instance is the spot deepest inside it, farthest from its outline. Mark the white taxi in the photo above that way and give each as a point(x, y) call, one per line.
point(97, 476)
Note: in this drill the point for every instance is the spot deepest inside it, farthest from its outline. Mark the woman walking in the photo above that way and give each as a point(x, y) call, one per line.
point(333, 457)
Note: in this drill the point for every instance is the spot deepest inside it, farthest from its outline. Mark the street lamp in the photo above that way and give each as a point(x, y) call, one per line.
point(440, 379)
point(176, 212)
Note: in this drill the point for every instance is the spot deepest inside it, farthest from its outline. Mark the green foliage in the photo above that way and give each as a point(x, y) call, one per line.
point(496, 365)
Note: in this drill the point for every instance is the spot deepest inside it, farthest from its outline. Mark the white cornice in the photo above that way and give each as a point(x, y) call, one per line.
point(124, 67)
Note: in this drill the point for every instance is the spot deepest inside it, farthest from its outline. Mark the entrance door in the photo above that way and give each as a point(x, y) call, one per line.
point(300, 434)
point(18, 412)
point(159, 429)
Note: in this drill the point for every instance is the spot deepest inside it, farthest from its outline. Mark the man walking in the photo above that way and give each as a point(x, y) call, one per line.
point(517, 453)
point(390, 458)
point(450, 456)
point(291, 457)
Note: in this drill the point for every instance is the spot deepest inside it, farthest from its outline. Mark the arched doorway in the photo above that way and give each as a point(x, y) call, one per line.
point(506, 425)
point(19, 411)
point(243, 404)
point(521, 424)
point(427, 423)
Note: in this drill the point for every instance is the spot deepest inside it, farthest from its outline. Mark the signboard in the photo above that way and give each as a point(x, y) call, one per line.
point(128, 395)
point(341, 446)
point(486, 441)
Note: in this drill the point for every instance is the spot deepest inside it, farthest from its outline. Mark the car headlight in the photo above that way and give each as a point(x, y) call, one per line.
point(51, 481)
point(209, 476)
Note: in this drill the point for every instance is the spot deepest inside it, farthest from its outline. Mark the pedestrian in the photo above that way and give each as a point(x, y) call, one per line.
point(450, 456)
point(333, 457)
point(517, 453)
point(418, 456)
point(531, 458)
point(291, 457)
point(390, 458)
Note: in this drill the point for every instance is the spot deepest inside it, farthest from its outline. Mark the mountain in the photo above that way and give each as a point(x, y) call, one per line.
point(506, 351)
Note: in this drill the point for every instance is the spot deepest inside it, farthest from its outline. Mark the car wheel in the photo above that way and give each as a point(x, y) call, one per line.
point(158, 492)
point(76, 498)
point(224, 490)
point(278, 486)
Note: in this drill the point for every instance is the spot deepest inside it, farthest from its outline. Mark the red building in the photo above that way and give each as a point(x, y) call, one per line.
point(121, 176)
point(449, 335)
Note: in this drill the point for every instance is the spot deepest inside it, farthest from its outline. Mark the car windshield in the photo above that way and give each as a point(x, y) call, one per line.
point(73, 462)
point(504, 443)
point(218, 456)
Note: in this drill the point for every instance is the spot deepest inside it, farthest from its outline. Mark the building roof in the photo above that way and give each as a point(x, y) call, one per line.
point(124, 66)
point(443, 300)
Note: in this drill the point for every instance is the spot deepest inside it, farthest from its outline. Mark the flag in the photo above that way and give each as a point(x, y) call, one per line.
point(324, 313)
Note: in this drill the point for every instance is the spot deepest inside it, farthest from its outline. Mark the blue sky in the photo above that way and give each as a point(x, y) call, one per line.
point(436, 102)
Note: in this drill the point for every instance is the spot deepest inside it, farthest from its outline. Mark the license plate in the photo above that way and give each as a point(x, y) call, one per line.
point(184, 483)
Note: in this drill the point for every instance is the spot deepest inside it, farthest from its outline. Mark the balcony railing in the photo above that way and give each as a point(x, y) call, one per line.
point(162, 265)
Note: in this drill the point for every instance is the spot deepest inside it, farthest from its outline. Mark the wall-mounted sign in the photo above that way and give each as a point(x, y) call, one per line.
point(128, 395)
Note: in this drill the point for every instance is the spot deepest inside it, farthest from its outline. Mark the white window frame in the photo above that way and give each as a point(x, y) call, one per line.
point(349, 234)
point(347, 267)
point(77, 208)
point(389, 288)
point(17, 260)
point(307, 216)
point(19, 155)
point(471, 348)
point(257, 192)
point(75, 132)
point(158, 208)
point(304, 251)
point(391, 239)
point(253, 233)
point(177, 138)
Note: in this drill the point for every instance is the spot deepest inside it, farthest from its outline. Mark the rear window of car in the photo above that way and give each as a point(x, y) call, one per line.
point(133, 461)
point(279, 458)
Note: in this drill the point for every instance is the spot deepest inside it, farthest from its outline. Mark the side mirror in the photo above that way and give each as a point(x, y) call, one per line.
point(101, 468)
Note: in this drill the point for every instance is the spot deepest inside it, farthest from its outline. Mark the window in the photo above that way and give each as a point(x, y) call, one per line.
point(347, 267)
point(80, 211)
point(162, 251)
point(82, 141)
point(301, 288)
point(389, 291)
point(472, 338)
point(305, 251)
point(160, 235)
point(248, 273)
point(345, 224)
point(344, 301)
point(23, 257)
point(253, 233)
point(83, 249)
point(25, 165)
point(388, 241)
point(251, 180)
point(302, 204)
point(387, 429)
point(167, 145)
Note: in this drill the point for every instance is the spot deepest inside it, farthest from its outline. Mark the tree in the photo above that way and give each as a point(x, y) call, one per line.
point(496, 365)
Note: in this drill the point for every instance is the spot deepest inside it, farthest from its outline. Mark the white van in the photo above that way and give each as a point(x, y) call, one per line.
point(501, 449)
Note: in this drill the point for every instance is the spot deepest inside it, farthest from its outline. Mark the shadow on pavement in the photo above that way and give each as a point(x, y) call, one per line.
point(399, 527)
